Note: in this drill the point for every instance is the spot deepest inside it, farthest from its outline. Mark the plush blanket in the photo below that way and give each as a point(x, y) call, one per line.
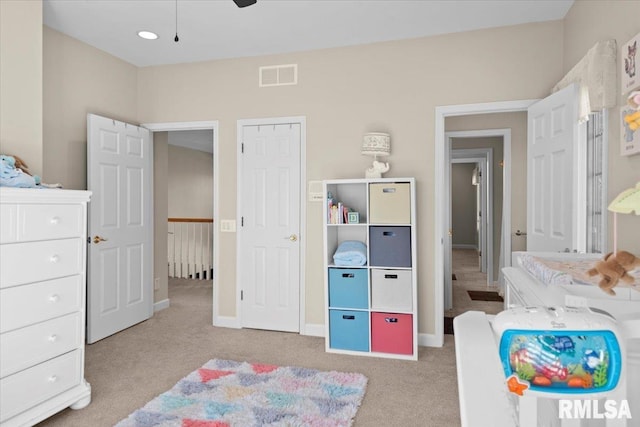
point(350, 253)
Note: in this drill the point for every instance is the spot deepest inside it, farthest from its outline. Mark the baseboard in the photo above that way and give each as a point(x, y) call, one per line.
point(464, 246)
point(160, 305)
point(429, 340)
point(314, 330)
point(226, 322)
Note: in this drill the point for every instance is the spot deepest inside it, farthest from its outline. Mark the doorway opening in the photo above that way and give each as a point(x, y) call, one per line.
point(186, 222)
point(476, 211)
point(441, 161)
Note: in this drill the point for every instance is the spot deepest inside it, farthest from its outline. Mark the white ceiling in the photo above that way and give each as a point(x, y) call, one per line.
point(216, 29)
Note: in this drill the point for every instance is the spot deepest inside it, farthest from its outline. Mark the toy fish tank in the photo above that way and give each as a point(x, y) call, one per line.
point(560, 350)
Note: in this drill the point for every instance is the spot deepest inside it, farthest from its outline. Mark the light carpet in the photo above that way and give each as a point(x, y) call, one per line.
point(225, 393)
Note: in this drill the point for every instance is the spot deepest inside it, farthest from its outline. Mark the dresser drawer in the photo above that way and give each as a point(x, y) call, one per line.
point(8, 223)
point(27, 388)
point(32, 262)
point(25, 305)
point(26, 347)
point(44, 222)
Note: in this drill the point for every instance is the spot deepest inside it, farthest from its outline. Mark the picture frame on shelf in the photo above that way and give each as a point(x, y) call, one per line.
point(353, 217)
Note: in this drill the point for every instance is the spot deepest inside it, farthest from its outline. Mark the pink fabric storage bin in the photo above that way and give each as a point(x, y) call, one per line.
point(392, 333)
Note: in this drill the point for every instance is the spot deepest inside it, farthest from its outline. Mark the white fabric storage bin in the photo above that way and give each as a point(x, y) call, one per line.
point(390, 203)
point(391, 290)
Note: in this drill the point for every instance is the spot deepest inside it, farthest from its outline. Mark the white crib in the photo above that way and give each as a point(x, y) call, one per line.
point(481, 379)
point(485, 399)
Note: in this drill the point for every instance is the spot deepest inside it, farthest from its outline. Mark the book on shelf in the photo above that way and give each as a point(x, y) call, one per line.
point(337, 213)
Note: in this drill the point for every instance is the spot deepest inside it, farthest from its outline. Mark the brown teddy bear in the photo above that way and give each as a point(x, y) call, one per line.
point(614, 268)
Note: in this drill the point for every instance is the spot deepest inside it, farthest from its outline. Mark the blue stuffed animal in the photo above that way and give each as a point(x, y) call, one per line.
point(12, 176)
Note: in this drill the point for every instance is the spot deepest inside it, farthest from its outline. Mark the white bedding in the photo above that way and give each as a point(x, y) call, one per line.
point(561, 270)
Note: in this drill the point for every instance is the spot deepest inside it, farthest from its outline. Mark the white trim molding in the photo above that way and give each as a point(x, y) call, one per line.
point(314, 330)
point(160, 305)
point(227, 322)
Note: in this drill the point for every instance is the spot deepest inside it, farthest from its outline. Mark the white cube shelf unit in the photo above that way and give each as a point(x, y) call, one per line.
point(371, 309)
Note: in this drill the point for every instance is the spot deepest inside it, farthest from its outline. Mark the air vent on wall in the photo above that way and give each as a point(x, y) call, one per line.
point(278, 75)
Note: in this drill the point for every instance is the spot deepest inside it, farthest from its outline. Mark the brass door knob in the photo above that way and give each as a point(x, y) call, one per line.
point(292, 238)
point(98, 239)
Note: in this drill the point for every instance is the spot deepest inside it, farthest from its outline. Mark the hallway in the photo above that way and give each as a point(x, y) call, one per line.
point(468, 276)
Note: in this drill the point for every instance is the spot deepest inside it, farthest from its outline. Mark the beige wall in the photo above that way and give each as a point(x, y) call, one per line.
point(463, 205)
point(21, 81)
point(586, 23)
point(190, 183)
point(160, 215)
point(80, 79)
point(517, 122)
point(343, 93)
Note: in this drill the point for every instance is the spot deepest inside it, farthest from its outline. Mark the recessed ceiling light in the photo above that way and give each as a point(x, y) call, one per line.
point(147, 35)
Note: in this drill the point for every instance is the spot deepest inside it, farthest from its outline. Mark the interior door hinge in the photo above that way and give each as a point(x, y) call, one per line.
point(241, 221)
point(241, 295)
point(242, 147)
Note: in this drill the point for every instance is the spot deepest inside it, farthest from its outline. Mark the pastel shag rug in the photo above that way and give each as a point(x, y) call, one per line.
point(224, 393)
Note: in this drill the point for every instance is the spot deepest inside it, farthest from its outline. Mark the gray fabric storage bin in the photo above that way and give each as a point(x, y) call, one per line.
point(390, 246)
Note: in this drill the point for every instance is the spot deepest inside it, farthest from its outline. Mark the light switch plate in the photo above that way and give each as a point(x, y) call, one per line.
point(228, 225)
point(315, 191)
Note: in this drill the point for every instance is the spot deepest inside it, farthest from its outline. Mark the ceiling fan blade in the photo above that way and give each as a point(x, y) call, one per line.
point(244, 3)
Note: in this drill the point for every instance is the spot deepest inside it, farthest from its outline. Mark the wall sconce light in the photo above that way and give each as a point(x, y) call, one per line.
point(376, 144)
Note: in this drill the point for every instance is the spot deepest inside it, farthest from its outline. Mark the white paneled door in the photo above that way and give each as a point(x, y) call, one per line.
point(555, 218)
point(269, 261)
point(119, 171)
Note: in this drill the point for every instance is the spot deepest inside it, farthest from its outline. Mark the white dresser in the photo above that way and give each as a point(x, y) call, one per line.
point(43, 236)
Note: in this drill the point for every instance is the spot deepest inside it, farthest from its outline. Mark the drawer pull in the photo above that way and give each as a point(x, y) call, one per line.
point(53, 338)
point(348, 275)
point(52, 379)
point(391, 319)
point(390, 276)
point(54, 259)
point(54, 298)
point(388, 233)
point(348, 317)
point(389, 190)
point(55, 220)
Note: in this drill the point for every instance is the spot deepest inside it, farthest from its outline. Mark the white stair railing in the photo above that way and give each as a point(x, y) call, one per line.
point(190, 248)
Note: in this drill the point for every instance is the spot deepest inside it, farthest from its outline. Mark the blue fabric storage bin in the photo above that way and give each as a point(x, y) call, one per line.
point(348, 288)
point(390, 246)
point(349, 330)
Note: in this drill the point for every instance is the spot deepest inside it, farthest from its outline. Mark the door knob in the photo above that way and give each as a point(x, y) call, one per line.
point(292, 238)
point(98, 239)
